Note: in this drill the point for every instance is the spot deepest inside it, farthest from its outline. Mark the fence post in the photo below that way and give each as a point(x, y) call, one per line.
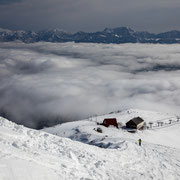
point(158, 123)
point(150, 124)
point(177, 118)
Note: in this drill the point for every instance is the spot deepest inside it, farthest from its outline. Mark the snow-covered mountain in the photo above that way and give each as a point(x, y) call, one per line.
point(108, 35)
point(34, 155)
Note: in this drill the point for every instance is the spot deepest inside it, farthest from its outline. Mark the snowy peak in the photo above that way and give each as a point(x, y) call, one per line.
point(54, 31)
point(108, 35)
point(123, 30)
point(118, 30)
point(169, 35)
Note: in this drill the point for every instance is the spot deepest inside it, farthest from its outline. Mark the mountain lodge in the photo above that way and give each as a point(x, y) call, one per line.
point(135, 123)
point(110, 122)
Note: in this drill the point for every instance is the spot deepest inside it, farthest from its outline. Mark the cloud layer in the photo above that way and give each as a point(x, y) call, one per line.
point(48, 83)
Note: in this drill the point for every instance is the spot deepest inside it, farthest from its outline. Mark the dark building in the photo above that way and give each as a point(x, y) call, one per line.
point(135, 123)
point(110, 122)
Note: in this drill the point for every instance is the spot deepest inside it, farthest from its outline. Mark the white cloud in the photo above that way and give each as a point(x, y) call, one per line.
point(60, 82)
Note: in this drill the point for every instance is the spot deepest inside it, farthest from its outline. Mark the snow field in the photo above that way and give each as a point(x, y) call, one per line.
point(36, 155)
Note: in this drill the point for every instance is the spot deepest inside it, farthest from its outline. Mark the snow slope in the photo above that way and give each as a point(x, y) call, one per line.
point(84, 130)
point(36, 155)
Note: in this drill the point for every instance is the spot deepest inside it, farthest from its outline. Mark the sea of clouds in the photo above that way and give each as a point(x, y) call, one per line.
point(48, 83)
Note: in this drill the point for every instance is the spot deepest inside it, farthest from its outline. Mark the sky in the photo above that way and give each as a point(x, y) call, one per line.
point(48, 83)
point(90, 15)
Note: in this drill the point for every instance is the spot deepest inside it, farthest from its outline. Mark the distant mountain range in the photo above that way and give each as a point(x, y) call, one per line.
point(108, 35)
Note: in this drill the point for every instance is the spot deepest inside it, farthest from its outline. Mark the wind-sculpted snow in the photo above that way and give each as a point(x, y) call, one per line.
point(30, 154)
point(48, 83)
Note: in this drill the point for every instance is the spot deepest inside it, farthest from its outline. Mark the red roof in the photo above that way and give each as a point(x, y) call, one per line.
point(110, 122)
